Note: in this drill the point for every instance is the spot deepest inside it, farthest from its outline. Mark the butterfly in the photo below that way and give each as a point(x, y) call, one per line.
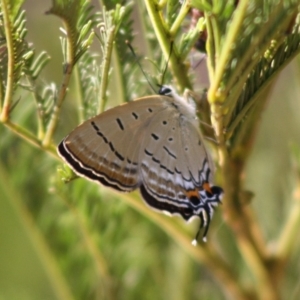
point(153, 144)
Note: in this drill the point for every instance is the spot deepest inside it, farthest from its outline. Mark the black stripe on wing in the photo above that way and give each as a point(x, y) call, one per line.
point(89, 173)
point(204, 210)
point(186, 212)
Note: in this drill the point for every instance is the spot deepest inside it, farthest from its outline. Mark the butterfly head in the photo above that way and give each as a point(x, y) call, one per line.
point(166, 90)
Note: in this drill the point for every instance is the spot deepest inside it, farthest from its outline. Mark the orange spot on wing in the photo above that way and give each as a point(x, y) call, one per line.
point(206, 187)
point(192, 193)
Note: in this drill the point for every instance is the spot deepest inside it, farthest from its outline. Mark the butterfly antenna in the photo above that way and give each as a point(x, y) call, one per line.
point(167, 64)
point(199, 62)
point(140, 66)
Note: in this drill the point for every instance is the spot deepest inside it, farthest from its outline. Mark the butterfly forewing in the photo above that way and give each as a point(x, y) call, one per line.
point(106, 148)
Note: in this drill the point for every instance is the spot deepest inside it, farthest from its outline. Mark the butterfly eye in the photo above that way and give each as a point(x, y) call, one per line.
point(165, 91)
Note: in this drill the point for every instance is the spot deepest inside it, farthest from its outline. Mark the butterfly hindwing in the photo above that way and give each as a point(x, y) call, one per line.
point(172, 162)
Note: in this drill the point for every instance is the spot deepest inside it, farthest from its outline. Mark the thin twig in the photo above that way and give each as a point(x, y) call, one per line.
point(224, 56)
point(164, 38)
point(43, 254)
point(180, 17)
point(203, 253)
point(69, 64)
point(4, 111)
point(106, 67)
point(31, 138)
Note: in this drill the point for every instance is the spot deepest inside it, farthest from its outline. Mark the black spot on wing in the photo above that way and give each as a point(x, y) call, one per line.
point(148, 153)
point(95, 126)
point(119, 155)
point(155, 160)
point(162, 166)
point(169, 152)
point(177, 171)
point(135, 115)
point(99, 133)
point(120, 124)
point(195, 200)
point(170, 172)
point(154, 136)
point(132, 162)
point(111, 147)
point(185, 179)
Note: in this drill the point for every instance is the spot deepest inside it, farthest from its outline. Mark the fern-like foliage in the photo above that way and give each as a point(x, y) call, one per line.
point(266, 69)
point(245, 34)
point(14, 24)
point(78, 19)
point(26, 66)
point(89, 73)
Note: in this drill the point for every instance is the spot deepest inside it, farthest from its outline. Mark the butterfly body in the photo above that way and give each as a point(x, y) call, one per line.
point(154, 144)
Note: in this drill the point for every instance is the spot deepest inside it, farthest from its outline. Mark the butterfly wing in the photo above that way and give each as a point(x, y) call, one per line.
point(175, 166)
point(153, 143)
point(106, 148)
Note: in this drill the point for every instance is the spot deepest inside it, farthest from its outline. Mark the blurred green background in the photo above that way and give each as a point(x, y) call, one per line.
point(41, 229)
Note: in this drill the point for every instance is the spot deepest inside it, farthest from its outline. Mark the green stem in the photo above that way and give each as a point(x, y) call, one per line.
point(204, 254)
point(235, 27)
point(181, 16)
point(248, 61)
point(210, 47)
point(162, 3)
point(164, 38)
point(80, 105)
point(289, 234)
point(91, 246)
point(4, 111)
point(40, 123)
point(234, 215)
point(31, 138)
point(69, 64)
point(216, 36)
point(242, 223)
point(44, 255)
point(106, 67)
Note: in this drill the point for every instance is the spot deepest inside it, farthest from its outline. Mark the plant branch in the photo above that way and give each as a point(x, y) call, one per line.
point(101, 266)
point(235, 84)
point(44, 254)
point(164, 38)
point(79, 94)
point(4, 111)
point(106, 67)
point(30, 138)
point(224, 56)
point(205, 254)
point(290, 231)
point(68, 67)
point(179, 19)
